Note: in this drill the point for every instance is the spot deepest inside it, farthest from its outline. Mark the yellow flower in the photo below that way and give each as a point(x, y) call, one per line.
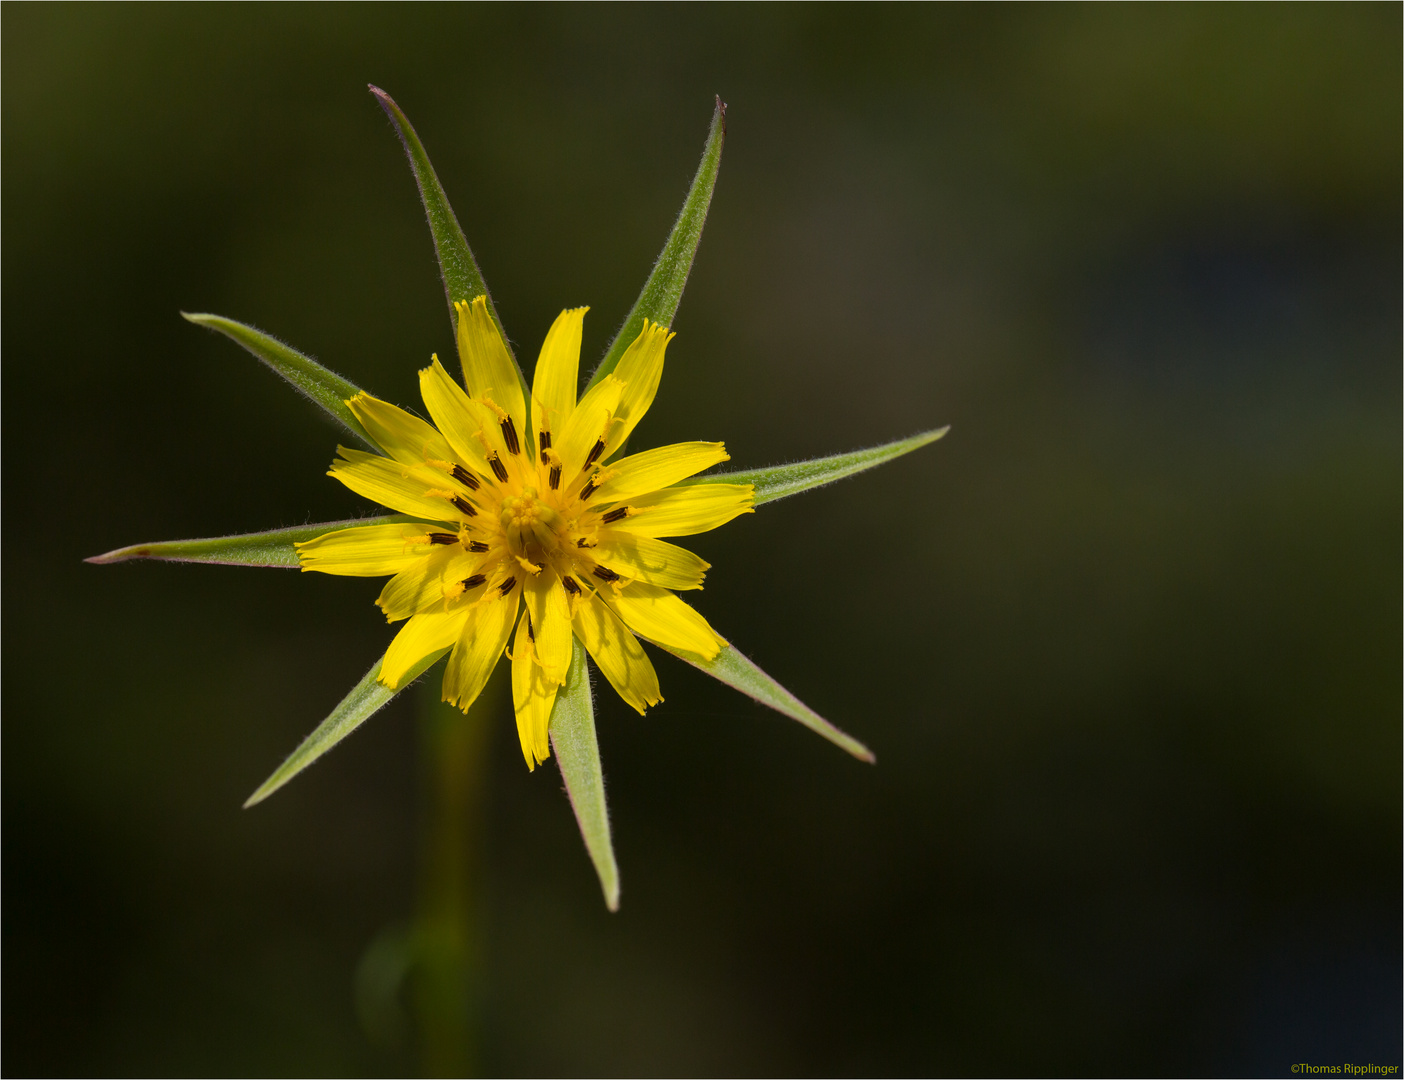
point(531, 507)
point(517, 499)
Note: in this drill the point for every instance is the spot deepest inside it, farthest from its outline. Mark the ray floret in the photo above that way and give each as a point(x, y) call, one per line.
point(530, 529)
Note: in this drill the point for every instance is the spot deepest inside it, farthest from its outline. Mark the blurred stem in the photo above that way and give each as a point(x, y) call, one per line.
point(447, 989)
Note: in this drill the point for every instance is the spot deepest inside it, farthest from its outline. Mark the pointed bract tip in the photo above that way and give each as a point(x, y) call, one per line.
point(387, 103)
point(854, 748)
point(257, 797)
point(926, 438)
point(117, 555)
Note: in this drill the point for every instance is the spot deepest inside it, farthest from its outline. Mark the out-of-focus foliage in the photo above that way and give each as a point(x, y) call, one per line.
point(1144, 260)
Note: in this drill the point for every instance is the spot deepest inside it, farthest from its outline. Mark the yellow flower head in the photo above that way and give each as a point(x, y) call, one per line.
point(537, 508)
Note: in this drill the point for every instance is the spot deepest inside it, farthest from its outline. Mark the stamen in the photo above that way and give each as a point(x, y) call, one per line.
point(443, 538)
point(554, 479)
point(615, 515)
point(509, 436)
point(570, 585)
point(477, 545)
point(604, 573)
point(473, 582)
point(584, 542)
point(498, 469)
point(464, 506)
point(529, 566)
point(545, 439)
point(464, 477)
point(595, 452)
point(507, 586)
point(589, 488)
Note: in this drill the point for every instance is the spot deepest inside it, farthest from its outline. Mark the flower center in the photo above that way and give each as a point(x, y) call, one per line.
point(533, 529)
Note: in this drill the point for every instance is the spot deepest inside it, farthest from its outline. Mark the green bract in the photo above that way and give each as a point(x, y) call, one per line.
point(572, 724)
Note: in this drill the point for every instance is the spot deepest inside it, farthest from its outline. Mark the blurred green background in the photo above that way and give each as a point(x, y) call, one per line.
point(1127, 642)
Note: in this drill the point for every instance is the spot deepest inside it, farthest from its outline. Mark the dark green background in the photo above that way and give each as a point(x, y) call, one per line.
point(1127, 643)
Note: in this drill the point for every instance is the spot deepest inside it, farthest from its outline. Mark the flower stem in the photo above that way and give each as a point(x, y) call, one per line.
point(447, 990)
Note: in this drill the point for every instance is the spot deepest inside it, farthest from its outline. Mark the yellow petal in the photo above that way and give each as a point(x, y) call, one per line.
point(550, 622)
point(404, 437)
point(658, 615)
point(532, 696)
point(557, 373)
point(639, 474)
point(616, 652)
point(640, 369)
point(369, 550)
point(429, 583)
point(645, 559)
point(397, 485)
point(422, 636)
point(683, 511)
point(464, 422)
point(591, 422)
point(484, 636)
point(488, 370)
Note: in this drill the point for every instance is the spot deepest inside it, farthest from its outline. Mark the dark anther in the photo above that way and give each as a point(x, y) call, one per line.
point(595, 452)
point(473, 582)
point(582, 542)
point(604, 573)
point(477, 545)
point(509, 436)
point(464, 506)
point(616, 515)
point(570, 585)
point(467, 479)
point(507, 586)
point(588, 489)
point(443, 538)
point(555, 478)
point(545, 440)
point(499, 470)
